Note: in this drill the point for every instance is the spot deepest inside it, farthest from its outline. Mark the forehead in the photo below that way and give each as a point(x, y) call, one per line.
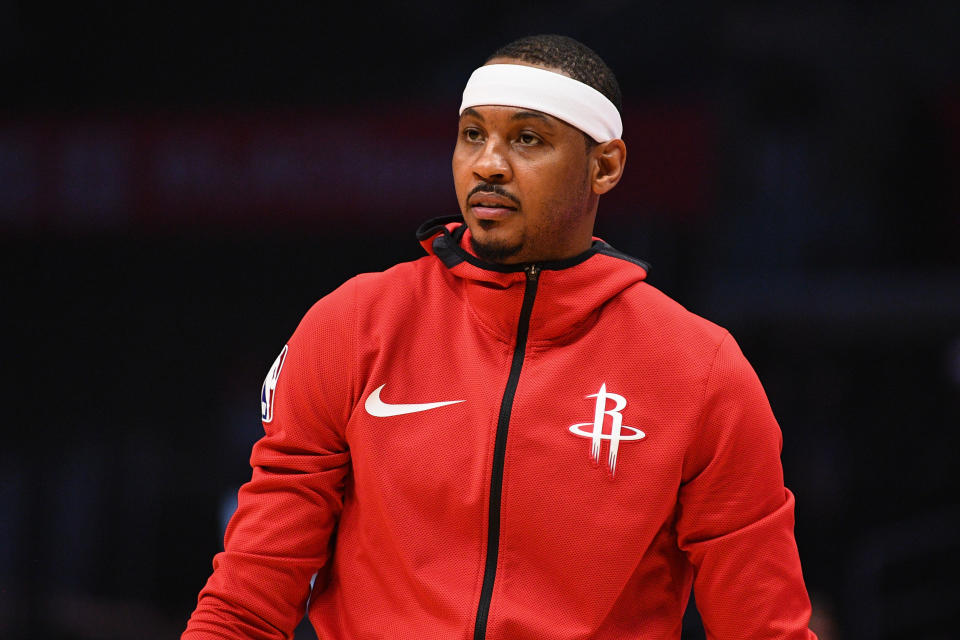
point(508, 114)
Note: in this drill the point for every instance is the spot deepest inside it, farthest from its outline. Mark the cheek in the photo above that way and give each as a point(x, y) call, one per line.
point(456, 163)
point(566, 196)
point(460, 175)
point(567, 184)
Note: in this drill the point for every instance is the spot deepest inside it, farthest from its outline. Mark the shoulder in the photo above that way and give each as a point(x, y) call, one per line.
point(402, 279)
point(364, 293)
point(672, 324)
point(657, 313)
point(706, 351)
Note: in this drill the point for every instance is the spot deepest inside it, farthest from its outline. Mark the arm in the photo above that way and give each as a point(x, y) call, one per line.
point(280, 533)
point(736, 517)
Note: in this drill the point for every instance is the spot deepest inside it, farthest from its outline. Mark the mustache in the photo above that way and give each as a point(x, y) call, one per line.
point(486, 187)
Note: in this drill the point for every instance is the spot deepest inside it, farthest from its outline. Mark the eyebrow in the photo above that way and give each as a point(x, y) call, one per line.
point(519, 115)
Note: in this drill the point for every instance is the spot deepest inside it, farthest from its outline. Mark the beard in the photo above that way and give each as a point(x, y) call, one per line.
point(495, 252)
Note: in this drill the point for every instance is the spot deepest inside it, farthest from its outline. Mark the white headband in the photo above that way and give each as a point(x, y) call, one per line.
point(516, 85)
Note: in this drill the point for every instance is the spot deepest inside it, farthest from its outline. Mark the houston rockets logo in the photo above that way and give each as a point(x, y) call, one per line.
point(616, 435)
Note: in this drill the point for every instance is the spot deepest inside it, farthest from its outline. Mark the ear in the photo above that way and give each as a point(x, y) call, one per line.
point(607, 162)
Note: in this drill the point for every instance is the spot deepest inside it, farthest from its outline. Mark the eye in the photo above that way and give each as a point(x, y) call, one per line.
point(528, 139)
point(472, 135)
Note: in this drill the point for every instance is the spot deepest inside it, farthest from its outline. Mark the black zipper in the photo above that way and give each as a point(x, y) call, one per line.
point(499, 450)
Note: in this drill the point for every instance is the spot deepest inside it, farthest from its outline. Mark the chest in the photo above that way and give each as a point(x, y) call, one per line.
point(599, 422)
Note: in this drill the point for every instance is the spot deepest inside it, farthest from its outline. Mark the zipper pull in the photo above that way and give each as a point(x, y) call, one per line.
point(533, 271)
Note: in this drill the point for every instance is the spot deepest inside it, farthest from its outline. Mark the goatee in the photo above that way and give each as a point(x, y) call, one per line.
point(495, 252)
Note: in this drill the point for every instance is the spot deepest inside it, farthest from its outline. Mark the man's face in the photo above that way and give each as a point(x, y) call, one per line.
point(523, 182)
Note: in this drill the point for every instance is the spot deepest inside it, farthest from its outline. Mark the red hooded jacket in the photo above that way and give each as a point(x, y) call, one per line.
point(465, 450)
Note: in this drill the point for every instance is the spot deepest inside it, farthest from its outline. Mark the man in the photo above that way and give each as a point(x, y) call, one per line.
point(514, 437)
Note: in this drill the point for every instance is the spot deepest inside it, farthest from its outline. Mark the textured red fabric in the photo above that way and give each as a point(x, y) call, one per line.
point(584, 552)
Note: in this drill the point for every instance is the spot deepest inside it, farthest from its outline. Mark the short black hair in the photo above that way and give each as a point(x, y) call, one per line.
point(574, 58)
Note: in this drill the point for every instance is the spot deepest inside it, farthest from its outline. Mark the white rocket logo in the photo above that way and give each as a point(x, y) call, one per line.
point(616, 435)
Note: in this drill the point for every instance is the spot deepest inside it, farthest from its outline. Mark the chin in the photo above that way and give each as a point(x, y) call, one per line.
point(494, 249)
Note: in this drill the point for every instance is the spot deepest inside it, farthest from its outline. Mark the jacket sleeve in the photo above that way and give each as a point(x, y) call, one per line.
point(281, 532)
point(735, 521)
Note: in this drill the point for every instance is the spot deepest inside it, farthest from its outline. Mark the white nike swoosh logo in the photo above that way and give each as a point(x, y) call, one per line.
point(377, 407)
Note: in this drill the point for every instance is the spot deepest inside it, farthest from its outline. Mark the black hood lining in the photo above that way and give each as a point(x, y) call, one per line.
point(448, 249)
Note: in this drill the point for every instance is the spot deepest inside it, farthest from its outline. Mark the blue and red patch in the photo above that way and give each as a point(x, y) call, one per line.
point(269, 390)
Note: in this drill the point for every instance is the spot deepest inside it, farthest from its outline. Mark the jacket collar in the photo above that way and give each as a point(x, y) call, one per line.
point(570, 294)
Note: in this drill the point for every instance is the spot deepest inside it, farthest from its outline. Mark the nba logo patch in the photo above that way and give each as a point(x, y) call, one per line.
point(269, 390)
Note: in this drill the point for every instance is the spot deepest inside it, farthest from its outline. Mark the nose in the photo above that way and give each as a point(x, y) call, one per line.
point(492, 165)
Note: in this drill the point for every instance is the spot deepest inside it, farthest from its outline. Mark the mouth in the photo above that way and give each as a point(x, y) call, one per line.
point(491, 206)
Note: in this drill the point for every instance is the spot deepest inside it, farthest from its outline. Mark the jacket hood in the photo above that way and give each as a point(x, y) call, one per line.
point(569, 294)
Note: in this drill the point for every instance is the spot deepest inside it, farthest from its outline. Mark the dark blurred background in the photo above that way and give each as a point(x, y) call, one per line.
point(179, 182)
